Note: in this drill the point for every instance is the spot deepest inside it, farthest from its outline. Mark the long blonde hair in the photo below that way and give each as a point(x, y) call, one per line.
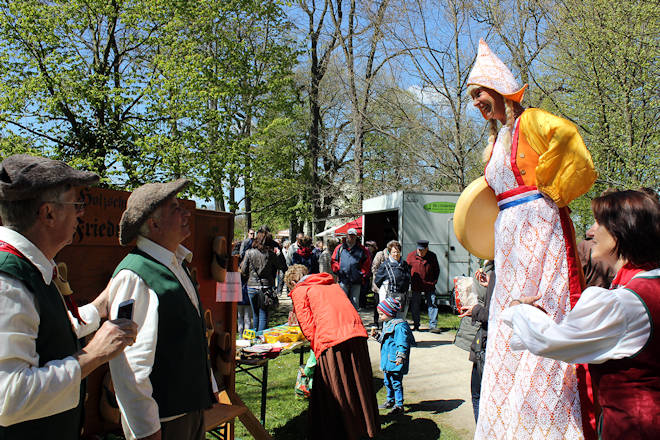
point(494, 129)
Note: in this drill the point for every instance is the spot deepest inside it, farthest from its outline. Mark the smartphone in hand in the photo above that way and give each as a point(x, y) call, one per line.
point(125, 309)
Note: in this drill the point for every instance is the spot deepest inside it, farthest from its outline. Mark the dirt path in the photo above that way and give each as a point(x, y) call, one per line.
point(438, 381)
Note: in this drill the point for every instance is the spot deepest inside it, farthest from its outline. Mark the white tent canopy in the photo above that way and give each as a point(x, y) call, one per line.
point(328, 231)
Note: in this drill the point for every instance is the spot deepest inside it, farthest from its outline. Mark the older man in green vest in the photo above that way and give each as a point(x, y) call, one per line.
point(42, 365)
point(163, 382)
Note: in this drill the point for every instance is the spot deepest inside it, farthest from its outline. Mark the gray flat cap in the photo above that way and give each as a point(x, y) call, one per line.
point(142, 203)
point(23, 177)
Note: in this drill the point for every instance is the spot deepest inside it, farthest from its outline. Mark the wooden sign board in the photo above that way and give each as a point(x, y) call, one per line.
point(99, 225)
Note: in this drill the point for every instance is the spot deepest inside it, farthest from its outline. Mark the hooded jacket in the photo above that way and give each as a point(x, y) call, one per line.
point(325, 314)
point(396, 340)
point(306, 257)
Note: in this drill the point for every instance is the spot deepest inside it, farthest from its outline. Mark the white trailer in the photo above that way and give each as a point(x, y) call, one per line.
point(409, 216)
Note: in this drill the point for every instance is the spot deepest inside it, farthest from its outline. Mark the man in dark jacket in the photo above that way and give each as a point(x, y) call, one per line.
point(246, 244)
point(424, 275)
point(352, 264)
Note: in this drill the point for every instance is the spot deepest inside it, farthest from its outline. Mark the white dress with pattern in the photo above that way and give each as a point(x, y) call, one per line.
point(524, 396)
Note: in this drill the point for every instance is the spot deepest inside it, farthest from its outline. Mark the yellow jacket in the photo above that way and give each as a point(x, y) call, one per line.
point(552, 156)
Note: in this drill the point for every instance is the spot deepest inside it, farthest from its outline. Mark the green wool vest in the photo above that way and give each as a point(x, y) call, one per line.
point(180, 376)
point(55, 340)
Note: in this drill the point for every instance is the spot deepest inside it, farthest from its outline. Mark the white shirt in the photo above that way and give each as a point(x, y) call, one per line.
point(28, 392)
point(131, 369)
point(603, 325)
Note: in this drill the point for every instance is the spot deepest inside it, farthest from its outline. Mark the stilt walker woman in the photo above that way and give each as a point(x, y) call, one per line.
point(536, 164)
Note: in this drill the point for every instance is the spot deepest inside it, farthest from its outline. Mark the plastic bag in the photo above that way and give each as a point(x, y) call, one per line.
point(303, 384)
point(305, 378)
point(464, 292)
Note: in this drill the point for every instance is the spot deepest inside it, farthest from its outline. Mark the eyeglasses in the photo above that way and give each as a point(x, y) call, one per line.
point(79, 206)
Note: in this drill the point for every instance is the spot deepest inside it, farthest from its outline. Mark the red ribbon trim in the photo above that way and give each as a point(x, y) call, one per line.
point(68, 301)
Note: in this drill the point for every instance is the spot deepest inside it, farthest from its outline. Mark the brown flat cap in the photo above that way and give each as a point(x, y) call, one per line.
point(23, 177)
point(142, 203)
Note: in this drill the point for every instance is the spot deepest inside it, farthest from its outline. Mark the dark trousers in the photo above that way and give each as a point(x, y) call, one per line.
point(415, 304)
point(364, 290)
point(190, 426)
point(475, 389)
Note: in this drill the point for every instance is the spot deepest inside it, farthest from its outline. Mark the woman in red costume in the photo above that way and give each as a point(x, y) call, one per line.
point(613, 330)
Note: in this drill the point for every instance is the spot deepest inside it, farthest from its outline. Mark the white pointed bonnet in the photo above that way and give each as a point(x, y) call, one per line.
point(490, 72)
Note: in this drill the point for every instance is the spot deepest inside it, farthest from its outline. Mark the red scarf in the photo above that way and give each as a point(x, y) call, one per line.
point(305, 252)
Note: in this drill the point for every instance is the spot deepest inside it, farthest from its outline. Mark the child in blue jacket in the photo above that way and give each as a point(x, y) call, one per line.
point(396, 339)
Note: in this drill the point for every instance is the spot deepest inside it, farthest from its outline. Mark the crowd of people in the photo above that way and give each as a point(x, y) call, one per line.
point(360, 270)
point(552, 347)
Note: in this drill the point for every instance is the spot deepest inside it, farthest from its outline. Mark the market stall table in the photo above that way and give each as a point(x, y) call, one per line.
point(246, 364)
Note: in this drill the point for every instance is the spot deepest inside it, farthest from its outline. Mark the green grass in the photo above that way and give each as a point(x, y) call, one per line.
point(446, 321)
point(286, 416)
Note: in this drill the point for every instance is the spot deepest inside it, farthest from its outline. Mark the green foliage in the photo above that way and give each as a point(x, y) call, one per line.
point(280, 186)
point(606, 73)
point(227, 66)
point(147, 90)
point(13, 144)
point(76, 77)
point(156, 89)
